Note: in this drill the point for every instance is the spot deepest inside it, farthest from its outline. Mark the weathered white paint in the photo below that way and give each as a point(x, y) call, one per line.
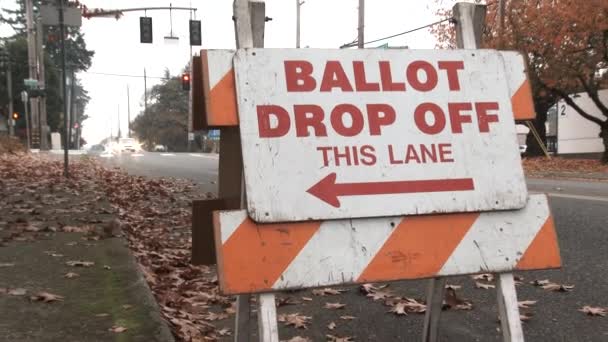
point(268, 329)
point(279, 171)
point(508, 309)
point(504, 239)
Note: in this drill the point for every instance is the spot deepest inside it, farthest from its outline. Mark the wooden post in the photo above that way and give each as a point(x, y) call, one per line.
point(249, 22)
point(508, 309)
point(361, 26)
point(268, 329)
point(434, 302)
point(469, 24)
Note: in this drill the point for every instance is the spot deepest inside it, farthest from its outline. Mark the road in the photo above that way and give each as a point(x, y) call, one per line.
point(581, 215)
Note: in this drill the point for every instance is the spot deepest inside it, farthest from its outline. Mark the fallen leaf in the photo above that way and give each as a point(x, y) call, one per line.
point(334, 306)
point(484, 286)
point(74, 229)
point(331, 326)
point(127, 306)
point(558, 287)
point(106, 267)
point(483, 276)
point(102, 315)
point(307, 299)
point(593, 311)
point(327, 292)
point(332, 338)
point(453, 302)
point(379, 295)
point(298, 339)
point(525, 317)
point(286, 301)
point(6, 264)
point(540, 282)
point(212, 316)
point(405, 305)
point(525, 304)
point(78, 263)
point(17, 292)
point(452, 286)
point(368, 288)
point(295, 319)
point(224, 332)
point(71, 275)
point(117, 329)
point(347, 317)
point(46, 297)
point(399, 309)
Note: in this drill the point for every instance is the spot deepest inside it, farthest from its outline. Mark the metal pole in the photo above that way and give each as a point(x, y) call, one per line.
point(118, 119)
point(44, 132)
point(9, 87)
point(361, 29)
point(72, 102)
point(190, 126)
point(31, 60)
point(501, 24)
point(24, 98)
point(145, 93)
point(128, 114)
point(298, 5)
point(65, 91)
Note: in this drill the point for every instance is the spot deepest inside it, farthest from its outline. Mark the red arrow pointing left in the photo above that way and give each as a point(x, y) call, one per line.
point(328, 190)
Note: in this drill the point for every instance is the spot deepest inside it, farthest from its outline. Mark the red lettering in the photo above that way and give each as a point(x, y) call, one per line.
point(368, 152)
point(345, 155)
point(483, 117)
point(298, 76)
point(314, 120)
point(376, 121)
point(456, 118)
point(391, 156)
point(355, 155)
point(445, 153)
point(429, 70)
point(337, 120)
point(430, 152)
point(264, 125)
point(451, 68)
point(361, 83)
point(334, 77)
point(411, 154)
point(421, 122)
point(325, 150)
point(386, 78)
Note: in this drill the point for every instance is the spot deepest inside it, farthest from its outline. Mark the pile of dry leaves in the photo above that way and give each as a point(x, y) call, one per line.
point(10, 145)
point(539, 165)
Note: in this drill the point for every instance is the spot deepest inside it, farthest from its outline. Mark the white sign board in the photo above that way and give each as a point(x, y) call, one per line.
point(330, 134)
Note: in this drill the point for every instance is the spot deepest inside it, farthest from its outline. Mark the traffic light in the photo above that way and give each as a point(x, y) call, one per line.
point(195, 32)
point(15, 116)
point(186, 82)
point(145, 30)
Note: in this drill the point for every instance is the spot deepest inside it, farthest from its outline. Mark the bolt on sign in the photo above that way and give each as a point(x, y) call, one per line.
point(332, 134)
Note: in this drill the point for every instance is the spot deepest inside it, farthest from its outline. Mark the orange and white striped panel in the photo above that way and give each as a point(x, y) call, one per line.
point(219, 90)
point(267, 257)
point(220, 94)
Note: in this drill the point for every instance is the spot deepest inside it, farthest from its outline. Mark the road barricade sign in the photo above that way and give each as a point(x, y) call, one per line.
point(369, 133)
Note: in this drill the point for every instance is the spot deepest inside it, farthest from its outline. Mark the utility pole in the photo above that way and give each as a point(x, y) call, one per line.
point(31, 59)
point(501, 24)
point(65, 90)
point(298, 5)
point(118, 119)
point(361, 33)
point(145, 93)
point(128, 114)
point(44, 132)
point(24, 98)
point(9, 88)
point(72, 102)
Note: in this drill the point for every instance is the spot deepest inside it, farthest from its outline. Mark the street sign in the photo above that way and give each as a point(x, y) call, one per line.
point(30, 83)
point(368, 133)
point(72, 16)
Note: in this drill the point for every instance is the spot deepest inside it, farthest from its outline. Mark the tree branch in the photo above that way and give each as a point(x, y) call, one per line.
point(559, 93)
point(593, 95)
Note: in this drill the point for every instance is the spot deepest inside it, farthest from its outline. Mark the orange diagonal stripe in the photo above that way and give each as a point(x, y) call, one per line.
point(543, 252)
point(522, 103)
point(255, 256)
point(418, 247)
point(222, 102)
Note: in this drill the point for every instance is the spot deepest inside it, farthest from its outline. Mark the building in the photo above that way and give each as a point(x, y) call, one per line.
point(568, 133)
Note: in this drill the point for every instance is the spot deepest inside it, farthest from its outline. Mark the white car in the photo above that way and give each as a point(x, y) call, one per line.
point(128, 145)
point(160, 148)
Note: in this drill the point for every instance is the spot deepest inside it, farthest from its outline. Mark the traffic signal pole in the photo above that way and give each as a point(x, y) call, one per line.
point(9, 87)
point(65, 91)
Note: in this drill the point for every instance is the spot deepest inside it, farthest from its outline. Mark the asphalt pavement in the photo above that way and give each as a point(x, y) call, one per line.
point(580, 210)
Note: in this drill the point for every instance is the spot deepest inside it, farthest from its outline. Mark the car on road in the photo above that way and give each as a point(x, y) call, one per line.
point(127, 145)
point(160, 148)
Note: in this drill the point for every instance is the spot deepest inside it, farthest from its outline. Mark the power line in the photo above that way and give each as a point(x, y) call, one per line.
point(122, 75)
point(398, 34)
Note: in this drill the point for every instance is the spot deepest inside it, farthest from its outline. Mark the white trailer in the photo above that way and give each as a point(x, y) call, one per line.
point(575, 134)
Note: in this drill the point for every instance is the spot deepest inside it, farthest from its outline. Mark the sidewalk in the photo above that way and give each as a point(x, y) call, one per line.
point(63, 277)
point(561, 168)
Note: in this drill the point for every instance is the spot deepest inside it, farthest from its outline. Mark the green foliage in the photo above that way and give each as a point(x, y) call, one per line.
point(166, 120)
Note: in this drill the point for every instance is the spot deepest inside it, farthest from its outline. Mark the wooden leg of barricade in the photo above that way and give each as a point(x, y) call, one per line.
point(241, 324)
point(268, 329)
point(434, 302)
point(508, 309)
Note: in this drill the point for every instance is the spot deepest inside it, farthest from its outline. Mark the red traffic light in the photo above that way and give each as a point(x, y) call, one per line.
point(186, 82)
point(15, 116)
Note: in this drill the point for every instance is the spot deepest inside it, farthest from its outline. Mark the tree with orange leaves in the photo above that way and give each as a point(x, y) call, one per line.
point(565, 43)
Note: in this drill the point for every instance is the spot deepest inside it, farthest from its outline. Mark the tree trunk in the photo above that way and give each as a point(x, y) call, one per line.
point(534, 149)
point(604, 136)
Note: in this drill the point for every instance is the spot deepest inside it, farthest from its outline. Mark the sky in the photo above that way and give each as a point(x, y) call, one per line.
point(324, 24)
